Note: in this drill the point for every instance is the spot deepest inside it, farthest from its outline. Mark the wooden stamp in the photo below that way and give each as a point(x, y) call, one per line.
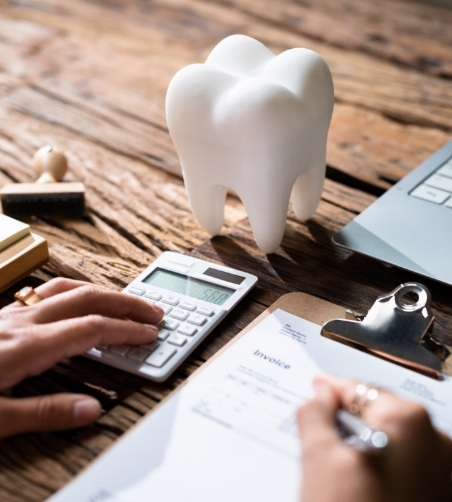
point(48, 195)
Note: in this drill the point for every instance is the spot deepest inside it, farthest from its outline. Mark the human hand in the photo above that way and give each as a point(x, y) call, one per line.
point(416, 466)
point(73, 317)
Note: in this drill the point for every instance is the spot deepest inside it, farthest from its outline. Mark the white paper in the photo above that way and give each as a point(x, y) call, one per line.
point(230, 433)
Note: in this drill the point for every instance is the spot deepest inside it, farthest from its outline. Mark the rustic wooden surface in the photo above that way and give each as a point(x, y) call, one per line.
point(90, 78)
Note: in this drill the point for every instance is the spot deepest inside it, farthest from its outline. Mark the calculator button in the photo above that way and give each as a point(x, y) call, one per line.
point(178, 340)
point(154, 296)
point(166, 308)
point(170, 324)
point(205, 311)
point(137, 353)
point(197, 319)
point(161, 355)
point(187, 330)
point(150, 346)
point(121, 350)
point(187, 306)
point(136, 291)
point(163, 335)
point(170, 300)
point(179, 314)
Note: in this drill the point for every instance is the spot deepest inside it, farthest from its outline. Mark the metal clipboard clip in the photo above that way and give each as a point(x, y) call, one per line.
point(395, 328)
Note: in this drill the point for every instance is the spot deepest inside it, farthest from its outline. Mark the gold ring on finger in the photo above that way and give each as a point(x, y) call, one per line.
point(27, 296)
point(364, 395)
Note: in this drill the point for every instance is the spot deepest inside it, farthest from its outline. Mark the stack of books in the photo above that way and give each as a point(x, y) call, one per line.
point(21, 251)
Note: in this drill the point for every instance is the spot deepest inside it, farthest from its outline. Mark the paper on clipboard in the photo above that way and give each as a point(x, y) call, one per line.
point(230, 432)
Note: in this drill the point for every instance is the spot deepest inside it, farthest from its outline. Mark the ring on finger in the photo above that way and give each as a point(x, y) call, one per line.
point(364, 395)
point(27, 296)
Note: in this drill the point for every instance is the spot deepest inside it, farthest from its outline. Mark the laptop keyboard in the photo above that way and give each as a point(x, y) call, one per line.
point(437, 187)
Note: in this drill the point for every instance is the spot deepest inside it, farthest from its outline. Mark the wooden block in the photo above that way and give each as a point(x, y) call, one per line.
point(11, 230)
point(21, 258)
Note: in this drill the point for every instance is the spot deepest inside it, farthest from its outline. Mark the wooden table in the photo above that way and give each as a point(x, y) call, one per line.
point(91, 77)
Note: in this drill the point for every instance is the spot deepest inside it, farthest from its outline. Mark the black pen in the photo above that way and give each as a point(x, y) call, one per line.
point(359, 435)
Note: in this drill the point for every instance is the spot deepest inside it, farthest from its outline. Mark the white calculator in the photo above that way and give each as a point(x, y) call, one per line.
point(195, 296)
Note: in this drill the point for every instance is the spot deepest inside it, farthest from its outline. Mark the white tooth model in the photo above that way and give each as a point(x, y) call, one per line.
point(256, 123)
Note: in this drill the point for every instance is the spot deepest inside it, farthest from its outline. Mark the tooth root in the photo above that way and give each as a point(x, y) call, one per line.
point(267, 214)
point(207, 203)
point(308, 187)
point(306, 195)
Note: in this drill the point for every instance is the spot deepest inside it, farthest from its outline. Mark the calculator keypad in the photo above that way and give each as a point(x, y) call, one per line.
point(182, 321)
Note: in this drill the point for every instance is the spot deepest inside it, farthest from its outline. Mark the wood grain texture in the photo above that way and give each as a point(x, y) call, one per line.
point(90, 77)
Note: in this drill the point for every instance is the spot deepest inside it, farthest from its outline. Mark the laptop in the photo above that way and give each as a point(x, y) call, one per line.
point(410, 225)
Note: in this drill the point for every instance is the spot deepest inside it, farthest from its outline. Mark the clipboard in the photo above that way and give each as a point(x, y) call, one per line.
point(397, 327)
point(230, 427)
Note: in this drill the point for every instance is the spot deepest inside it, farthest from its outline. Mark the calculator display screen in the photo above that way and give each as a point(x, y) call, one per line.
point(182, 284)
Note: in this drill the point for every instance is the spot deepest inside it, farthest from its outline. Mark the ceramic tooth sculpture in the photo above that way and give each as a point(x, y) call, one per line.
point(255, 123)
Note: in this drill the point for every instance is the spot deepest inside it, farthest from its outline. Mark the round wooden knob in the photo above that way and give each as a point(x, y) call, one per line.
point(49, 164)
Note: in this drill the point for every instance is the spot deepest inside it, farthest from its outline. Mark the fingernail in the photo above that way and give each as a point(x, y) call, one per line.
point(321, 388)
point(158, 309)
point(152, 327)
point(86, 410)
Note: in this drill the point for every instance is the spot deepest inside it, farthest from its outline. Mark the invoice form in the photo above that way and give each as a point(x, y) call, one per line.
point(229, 434)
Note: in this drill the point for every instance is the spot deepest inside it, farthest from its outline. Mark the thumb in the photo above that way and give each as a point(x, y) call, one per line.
point(46, 413)
point(317, 419)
